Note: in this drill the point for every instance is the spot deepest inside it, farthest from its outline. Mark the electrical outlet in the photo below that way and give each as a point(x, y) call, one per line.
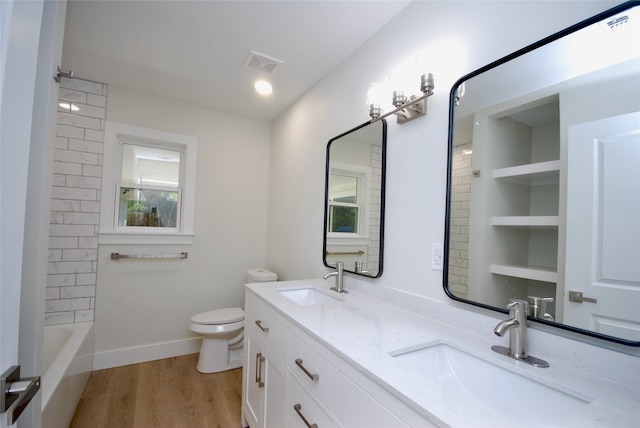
point(437, 256)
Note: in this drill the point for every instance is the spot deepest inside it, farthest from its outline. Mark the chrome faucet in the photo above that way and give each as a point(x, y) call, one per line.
point(338, 274)
point(516, 325)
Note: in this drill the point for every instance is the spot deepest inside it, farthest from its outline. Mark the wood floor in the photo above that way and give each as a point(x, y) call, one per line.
point(167, 393)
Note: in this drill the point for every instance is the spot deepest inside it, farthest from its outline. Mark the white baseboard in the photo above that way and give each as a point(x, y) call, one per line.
point(141, 354)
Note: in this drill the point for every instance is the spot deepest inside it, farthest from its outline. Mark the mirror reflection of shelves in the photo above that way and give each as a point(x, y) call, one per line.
point(518, 199)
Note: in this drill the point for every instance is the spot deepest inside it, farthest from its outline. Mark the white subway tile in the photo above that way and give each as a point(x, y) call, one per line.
point(52, 293)
point(73, 193)
point(63, 242)
point(83, 85)
point(71, 230)
point(58, 318)
point(67, 305)
point(97, 100)
point(59, 180)
point(66, 94)
point(69, 131)
point(84, 254)
point(91, 111)
point(56, 218)
point(86, 278)
point(76, 157)
point(85, 146)
point(90, 207)
point(83, 182)
point(65, 205)
point(54, 255)
point(94, 135)
point(62, 280)
point(84, 315)
point(77, 292)
point(81, 218)
point(69, 267)
point(87, 242)
point(62, 142)
point(92, 171)
point(67, 168)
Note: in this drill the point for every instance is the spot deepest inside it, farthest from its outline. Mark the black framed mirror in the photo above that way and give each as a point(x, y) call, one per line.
point(543, 187)
point(354, 199)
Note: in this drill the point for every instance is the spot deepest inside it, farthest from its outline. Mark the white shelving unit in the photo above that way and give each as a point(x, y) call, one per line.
point(513, 241)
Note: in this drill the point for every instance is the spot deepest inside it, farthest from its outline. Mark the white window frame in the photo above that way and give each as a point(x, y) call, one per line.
point(363, 175)
point(117, 134)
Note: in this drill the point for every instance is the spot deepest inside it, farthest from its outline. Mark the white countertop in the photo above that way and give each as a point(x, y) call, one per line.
point(364, 329)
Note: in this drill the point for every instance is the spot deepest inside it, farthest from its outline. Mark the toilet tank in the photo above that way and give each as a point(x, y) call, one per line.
point(261, 275)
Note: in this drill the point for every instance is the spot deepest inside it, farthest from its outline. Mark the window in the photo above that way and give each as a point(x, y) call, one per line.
point(348, 199)
point(148, 186)
point(343, 204)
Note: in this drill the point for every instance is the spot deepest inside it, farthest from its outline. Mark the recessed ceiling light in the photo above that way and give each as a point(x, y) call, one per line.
point(69, 106)
point(263, 87)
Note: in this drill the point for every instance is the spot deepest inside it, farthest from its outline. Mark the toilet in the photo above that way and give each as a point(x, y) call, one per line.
point(222, 331)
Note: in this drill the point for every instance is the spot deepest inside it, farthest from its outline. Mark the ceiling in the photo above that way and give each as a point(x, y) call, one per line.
point(194, 51)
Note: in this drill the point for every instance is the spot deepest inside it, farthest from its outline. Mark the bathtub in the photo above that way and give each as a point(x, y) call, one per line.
point(67, 364)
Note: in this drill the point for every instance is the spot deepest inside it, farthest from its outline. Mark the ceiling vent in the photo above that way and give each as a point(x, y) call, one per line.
point(262, 63)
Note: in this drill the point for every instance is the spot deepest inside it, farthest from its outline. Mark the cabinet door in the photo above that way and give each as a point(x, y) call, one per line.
point(252, 391)
point(275, 377)
point(356, 408)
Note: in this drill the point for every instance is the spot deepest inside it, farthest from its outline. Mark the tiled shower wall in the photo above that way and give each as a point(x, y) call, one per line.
point(75, 203)
point(459, 237)
point(373, 255)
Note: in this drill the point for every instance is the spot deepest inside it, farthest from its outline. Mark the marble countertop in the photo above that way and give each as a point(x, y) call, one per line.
point(365, 329)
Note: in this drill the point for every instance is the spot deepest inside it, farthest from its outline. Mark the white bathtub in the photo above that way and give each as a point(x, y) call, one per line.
point(67, 364)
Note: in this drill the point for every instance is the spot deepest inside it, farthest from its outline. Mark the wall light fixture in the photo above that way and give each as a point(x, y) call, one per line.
point(406, 107)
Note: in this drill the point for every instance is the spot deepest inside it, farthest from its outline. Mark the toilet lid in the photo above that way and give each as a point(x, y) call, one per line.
point(219, 316)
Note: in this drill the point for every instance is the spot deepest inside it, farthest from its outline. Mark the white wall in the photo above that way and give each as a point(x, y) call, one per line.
point(140, 303)
point(417, 151)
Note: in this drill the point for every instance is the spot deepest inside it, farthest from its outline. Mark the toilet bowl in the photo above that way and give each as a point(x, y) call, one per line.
point(222, 332)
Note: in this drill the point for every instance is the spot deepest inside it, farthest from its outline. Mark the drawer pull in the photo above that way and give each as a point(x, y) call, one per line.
point(313, 376)
point(259, 324)
point(298, 409)
point(259, 360)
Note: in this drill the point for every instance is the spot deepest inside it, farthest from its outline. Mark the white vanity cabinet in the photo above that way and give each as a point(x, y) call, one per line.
point(315, 386)
point(264, 375)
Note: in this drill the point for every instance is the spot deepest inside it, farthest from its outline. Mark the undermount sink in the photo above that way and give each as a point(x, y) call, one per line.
point(308, 296)
point(507, 393)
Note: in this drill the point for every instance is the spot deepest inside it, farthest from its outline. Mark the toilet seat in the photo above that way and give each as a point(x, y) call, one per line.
point(219, 316)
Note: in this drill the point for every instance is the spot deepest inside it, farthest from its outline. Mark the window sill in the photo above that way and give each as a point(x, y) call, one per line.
point(144, 238)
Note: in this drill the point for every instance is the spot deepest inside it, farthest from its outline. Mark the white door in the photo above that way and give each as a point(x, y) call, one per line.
point(31, 35)
point(603, 227)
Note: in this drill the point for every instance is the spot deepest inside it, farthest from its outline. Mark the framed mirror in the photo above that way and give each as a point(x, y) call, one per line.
point(543, 192)
point(354, 199)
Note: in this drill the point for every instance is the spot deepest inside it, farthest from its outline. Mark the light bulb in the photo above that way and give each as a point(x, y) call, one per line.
point(263, 87)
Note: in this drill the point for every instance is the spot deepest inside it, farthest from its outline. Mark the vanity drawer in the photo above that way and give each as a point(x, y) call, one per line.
point(313, 371)
point(263, 325)
point(301, 405)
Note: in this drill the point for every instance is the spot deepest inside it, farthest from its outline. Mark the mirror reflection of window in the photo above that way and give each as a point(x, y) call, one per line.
point(344, 204)
point(149, 186)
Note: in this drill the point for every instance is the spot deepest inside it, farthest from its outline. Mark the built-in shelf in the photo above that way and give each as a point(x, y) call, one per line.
point(540, 173)
point(527, 272)
point(526, 221)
